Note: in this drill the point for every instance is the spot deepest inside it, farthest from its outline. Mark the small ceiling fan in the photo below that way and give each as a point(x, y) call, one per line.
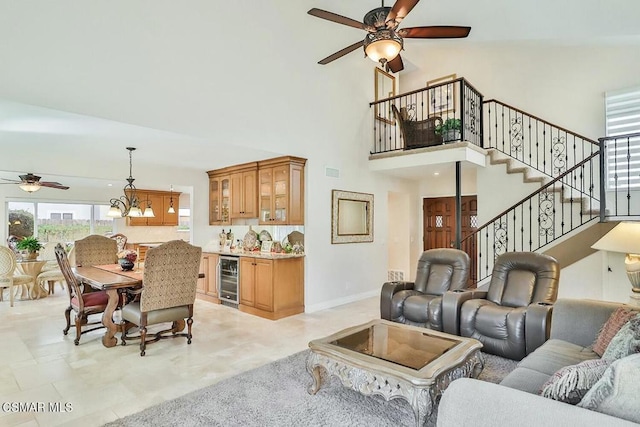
point(384, 40)
point(31, 183)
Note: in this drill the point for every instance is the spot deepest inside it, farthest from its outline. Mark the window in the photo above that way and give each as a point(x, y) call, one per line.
point(58, 222)
point(622, 109)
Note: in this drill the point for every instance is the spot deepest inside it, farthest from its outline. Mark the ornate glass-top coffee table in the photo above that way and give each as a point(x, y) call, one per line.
point(395, 361)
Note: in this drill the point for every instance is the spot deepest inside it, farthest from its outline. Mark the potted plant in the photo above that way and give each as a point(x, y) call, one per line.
point(29, 247)
point(450, 130)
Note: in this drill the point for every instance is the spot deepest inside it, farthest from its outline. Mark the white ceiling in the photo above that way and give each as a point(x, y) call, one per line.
point(194, 140)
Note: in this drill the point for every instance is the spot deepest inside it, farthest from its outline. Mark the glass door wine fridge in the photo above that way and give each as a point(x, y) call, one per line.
point(228, 279)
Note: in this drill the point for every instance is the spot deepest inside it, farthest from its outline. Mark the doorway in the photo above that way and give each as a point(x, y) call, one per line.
point(439, 225)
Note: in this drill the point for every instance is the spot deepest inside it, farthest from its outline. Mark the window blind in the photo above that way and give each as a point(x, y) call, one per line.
point(622, 109)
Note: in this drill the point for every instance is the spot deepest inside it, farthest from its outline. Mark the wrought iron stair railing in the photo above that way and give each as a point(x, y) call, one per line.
point(557, 208)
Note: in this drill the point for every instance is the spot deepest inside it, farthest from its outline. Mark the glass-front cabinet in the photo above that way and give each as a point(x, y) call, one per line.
point(274, 194)
point(281, 186)
point(219, 200)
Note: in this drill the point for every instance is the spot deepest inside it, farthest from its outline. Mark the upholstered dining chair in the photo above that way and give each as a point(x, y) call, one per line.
point(8, 276)
point(82, 304)
point(121, 240)
point(95, 250)
point(512, 317)
point(419, 303)
point(167, 295)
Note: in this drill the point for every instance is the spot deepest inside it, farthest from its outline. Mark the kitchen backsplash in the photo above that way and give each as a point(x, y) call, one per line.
point(142, 234)
point(278, 233)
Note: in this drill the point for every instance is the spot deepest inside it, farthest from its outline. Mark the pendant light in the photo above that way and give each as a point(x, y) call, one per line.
point(171, 210)
point(129, 204)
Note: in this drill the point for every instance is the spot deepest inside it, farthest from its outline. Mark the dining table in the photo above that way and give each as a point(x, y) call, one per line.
point(114, 280)
point(33, 267)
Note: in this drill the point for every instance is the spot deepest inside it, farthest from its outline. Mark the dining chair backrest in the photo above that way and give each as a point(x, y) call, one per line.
point(170, 276)
point(73, 287)
point(95, 250)
point(7, 262)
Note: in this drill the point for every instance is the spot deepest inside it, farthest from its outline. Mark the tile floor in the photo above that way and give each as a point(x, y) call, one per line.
point(41, 366)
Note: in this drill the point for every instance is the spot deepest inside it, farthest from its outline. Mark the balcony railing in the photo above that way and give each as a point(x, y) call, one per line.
point(421, 118)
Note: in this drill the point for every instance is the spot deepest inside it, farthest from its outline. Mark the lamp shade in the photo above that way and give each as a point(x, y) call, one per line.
point(624, 237)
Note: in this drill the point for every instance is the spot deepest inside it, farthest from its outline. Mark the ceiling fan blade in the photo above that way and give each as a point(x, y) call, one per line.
point(340, 53)
point(399, 11)
point(434, 32)
point(52, 184)
point(11, 181)
point(395, 64)
point(334, 17)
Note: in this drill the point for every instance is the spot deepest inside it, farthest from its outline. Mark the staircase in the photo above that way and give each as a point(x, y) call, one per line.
point(564, 164)
point(579, 187)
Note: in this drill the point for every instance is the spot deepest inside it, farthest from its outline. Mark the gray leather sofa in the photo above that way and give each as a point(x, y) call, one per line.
point(419, 303)
point(515, 401)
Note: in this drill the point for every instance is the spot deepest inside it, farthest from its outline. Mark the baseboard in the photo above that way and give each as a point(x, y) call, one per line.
point(341, 301)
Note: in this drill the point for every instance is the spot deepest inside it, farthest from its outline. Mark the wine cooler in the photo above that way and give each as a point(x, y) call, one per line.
point(228, 279)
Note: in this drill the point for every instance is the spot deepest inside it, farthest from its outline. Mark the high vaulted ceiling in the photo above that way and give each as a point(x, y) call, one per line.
point(195, 82)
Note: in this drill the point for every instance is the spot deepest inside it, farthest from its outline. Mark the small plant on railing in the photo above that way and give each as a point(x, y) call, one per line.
point(450, 130)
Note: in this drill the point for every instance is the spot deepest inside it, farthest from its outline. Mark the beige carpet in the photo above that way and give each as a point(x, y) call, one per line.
point(276, 395)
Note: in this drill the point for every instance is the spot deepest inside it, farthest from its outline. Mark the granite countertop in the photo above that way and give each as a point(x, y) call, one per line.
point(256, 254)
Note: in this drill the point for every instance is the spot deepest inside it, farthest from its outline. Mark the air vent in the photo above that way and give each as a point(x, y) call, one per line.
point(332, 172)
point(395, 275)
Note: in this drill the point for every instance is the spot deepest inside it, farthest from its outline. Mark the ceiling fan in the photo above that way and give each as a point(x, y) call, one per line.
point(384, 40)
point(31, 183)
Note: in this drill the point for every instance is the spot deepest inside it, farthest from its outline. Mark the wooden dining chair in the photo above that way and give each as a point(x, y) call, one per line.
point(168, 293)
point(82, 304)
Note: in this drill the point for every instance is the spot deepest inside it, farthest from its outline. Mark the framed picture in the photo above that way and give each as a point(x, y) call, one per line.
point(385, 87)
point(266, 246)
point(443, 97)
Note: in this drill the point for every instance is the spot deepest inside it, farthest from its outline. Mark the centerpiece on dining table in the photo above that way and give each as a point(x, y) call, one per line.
point(127, 259)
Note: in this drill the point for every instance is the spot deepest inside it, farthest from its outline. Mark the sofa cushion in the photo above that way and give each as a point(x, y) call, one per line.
point(611, 327)
point(571, 383)
point(616, 393)
point(626, 341)
point(535, 369)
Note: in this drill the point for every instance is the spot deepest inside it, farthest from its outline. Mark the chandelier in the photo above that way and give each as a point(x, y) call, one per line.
point(129, 204)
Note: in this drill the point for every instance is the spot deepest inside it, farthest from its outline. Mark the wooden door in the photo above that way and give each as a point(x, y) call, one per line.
point(439, 216)
point(249, 193)
point(157, 204)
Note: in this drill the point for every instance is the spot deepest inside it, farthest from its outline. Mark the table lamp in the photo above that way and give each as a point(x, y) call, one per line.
point(625, 238)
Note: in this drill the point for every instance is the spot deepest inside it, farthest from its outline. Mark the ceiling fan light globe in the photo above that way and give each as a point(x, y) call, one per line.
point(29, 187)
point(382, 46)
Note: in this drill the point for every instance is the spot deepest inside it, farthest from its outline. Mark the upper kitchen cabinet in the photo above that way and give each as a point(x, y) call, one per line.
point(219, 199)
point(160, 202)
point(232, 193)
point(281, 186)
point(243, 192)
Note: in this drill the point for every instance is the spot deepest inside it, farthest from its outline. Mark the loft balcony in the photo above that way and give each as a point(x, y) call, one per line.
point(439, 124)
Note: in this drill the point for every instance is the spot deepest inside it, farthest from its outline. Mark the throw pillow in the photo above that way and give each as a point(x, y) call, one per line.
point(571, 383)
point(626, 341)
point(611, 327)
point(617, 391)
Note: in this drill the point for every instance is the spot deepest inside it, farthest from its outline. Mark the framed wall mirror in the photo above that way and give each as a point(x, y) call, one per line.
point(385, 87)
point(351, 217)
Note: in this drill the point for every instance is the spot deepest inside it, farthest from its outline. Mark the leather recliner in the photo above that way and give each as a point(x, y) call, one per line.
point(512, 317)
point(419, 303)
